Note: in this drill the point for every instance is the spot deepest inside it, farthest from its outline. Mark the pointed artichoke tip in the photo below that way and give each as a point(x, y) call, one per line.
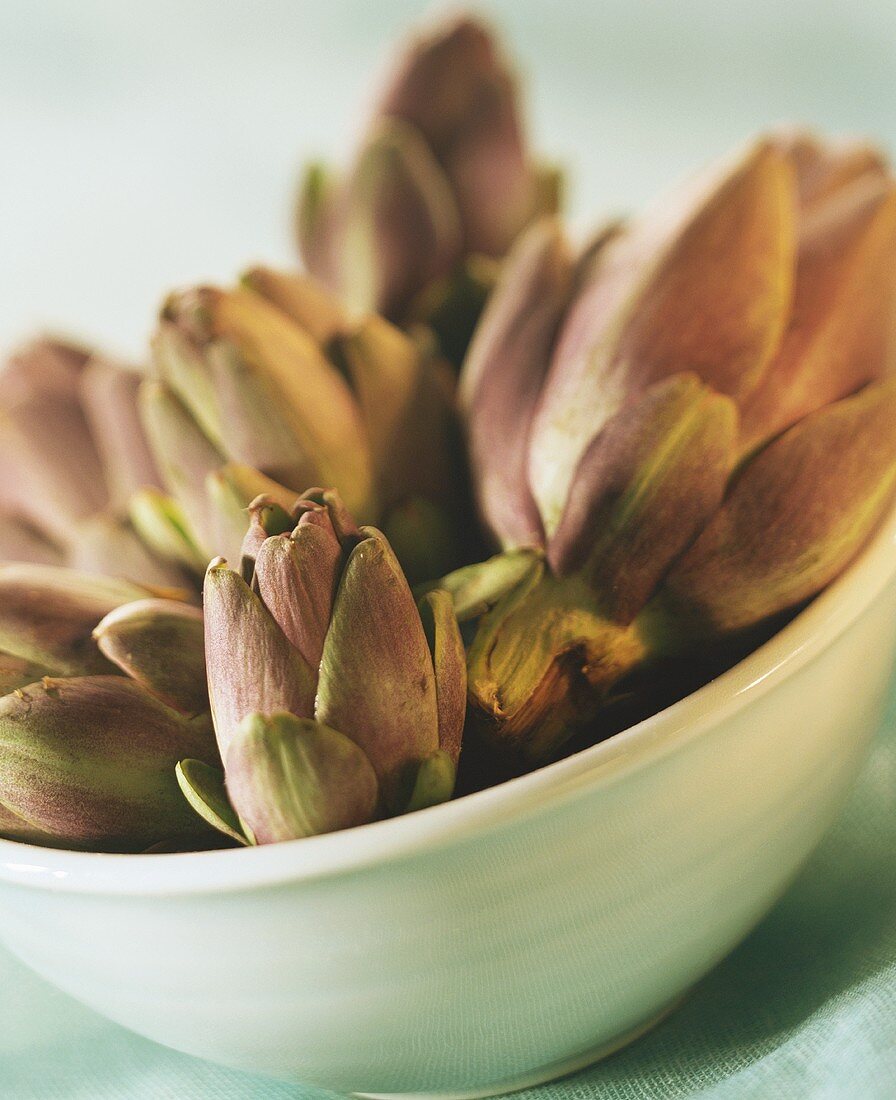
point(168, 308)
point(436, 598)
point(372, 541)
point(765, 153)
point(103, 627)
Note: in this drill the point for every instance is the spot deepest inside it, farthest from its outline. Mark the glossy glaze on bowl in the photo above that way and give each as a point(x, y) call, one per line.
point(507, 937)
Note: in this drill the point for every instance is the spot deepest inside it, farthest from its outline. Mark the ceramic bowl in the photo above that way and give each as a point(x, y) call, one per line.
point(503, 939)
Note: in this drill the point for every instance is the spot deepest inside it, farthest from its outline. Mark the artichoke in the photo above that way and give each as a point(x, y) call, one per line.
point(677, 436)
point(691, 421)
point(254, 390)
point(87, 755)
point(267, 387)
point(336, 699)
point(443, 182)
point(72, 453)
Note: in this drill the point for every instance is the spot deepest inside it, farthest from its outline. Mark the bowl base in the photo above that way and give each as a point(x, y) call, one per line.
point(538, 1076)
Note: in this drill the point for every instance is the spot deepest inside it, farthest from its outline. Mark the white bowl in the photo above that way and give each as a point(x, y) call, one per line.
point(503, 939)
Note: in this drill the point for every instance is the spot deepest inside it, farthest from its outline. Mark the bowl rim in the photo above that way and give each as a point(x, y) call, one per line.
point(234, 870)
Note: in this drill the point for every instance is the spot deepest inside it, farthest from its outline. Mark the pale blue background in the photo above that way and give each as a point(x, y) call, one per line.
point(147, 144)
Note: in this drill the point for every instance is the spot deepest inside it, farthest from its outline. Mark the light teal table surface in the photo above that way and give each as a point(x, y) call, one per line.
point(806, 1008)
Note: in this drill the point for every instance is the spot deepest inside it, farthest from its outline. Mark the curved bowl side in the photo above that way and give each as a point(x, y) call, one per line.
point(497, 953)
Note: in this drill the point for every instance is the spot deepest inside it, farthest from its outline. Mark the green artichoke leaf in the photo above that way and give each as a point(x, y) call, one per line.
point(290, 777)
point(159, 644)
point(250, 663)
point(434, 782)
point(450, 667)
point(476, 588)
point(377, 683)
point(202, 785)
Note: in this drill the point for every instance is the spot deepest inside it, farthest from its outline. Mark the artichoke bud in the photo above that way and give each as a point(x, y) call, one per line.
point(315, 399)
point(290, 777)
point(228, 386)
point(327, 629)
point(401, 228)
point(89, 762)
point(289, 410)
point(458, 90)
point(644, 489)
point(250, 664)
point(159, 644)
point(796, 515)
point(47, 616)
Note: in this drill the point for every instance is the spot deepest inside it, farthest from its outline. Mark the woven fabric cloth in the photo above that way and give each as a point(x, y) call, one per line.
point(805, 1009)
